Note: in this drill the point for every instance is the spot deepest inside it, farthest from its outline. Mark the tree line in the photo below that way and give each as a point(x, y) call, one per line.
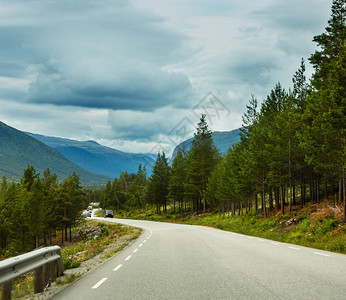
point(291, 151)
point(33, 210)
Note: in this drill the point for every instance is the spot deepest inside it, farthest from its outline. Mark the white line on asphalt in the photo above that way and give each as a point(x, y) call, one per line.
point(127, 258)
point(144, 241)
point(260, 240)
point(250, 237)
point(277, 244)
point(140, 245)
point(99, 283)
point(118, 267)
point(321, 254)
point(294, 248)
point(134, 251)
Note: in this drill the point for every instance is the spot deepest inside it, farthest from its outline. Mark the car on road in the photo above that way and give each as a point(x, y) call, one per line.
point(88, 214)
point(108, 214)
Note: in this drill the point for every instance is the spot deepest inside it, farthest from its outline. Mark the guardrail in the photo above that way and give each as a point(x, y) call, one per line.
point(45, 262)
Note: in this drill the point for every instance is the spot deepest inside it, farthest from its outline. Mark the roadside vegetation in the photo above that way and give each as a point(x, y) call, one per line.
point(90, 239)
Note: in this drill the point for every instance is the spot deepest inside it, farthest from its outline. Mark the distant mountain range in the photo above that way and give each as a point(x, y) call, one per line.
point(97, 158)
point(18, 149)
point(95, 164)
point(223, 140)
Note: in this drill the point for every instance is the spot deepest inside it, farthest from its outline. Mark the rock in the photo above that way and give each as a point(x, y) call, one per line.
point(291, 221)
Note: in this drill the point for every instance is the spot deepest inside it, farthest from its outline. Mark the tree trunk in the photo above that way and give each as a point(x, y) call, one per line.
point(340, 190)
point(233, 211)
point(294, 194)
point(271, 199)
point(23, 239)
point(317, 189)
point(282, 195)
point(302, 194)
point(256, 204)
point(277, 197)
point(311, 190)
point(325, 189)
point(344, 193)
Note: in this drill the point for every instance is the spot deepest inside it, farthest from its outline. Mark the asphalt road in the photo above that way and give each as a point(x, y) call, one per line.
point(172, 261)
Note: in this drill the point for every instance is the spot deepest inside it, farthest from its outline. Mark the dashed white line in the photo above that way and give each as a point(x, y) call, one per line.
point(294, 248)
point(127, 258)
point(118, 267)
point(144, 241)
point(318, 253)
point(134, 251)
point(99, 283)
point(140, 245)
point(277, 244)
point(261, 240)
point(250, 237)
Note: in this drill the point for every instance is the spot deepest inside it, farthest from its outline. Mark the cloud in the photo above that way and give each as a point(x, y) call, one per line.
point(103, 55)
point(128, 73)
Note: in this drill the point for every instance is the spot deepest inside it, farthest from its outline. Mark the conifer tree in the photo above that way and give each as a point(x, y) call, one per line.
point(326, 110)
point(201, 160)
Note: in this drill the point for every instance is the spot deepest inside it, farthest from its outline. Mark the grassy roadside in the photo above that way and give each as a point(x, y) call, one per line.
point(93, 243)
point(318, 226)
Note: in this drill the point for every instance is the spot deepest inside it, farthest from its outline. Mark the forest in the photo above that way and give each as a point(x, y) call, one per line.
point(291, 152)
point(292, 148)
point(33, 210)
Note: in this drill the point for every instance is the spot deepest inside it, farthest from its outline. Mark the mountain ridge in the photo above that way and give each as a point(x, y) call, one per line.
point(95, 157)
point(223, 140)
point(18, 150)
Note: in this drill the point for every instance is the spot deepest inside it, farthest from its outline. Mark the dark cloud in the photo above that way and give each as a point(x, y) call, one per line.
point(104, 55)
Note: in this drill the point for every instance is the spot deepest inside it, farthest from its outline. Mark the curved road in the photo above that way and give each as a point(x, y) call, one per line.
point(173, 261)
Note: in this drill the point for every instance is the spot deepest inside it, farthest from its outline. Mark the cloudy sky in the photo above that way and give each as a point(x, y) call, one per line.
point(136, 74)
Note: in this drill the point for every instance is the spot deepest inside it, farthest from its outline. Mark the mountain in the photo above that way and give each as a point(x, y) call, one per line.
point(97, 158)
point(18, 149)
point(223, 140)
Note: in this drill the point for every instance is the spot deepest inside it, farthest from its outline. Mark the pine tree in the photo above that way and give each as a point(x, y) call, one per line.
point(326, 110)
point(158, 183)
point(177, 179)
point(202, 158)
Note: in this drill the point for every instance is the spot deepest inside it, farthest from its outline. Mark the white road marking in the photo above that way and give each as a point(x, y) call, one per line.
point(140, 245)
point(127, 258)
point(134, 251)
point(321, 254)
point(250, 237)
point(260, 240)
point(294, 248)
point(277, 244)
point(99, 283)
point(144, 241)
point(118, 267)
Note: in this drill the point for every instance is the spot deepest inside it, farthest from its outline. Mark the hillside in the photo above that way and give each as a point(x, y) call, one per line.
point(223, 140)
point(17, 150)
point(96, 158)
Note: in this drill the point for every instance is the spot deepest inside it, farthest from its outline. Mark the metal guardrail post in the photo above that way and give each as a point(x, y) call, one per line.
point(6, 290)
point(38, 280)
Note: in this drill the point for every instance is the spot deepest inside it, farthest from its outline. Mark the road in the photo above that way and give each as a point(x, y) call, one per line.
point(173, 261)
